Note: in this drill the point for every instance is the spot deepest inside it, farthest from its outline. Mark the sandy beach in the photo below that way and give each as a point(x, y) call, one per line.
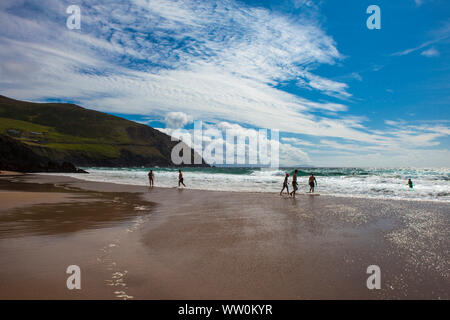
point(132, 242)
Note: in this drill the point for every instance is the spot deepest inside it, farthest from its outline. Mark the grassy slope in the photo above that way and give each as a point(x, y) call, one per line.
point(85, 137)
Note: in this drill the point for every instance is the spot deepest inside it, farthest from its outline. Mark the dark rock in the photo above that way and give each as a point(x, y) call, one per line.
point(17, 156)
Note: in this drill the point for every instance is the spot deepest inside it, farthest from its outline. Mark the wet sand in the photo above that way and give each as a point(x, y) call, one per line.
point(135, 242)
point(4, 173)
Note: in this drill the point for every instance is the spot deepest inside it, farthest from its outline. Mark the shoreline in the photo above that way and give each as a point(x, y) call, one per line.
point(133, 242)
point(254, 191)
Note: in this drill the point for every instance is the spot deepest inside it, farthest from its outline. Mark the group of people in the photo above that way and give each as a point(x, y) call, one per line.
point(311, 181)
point(152, 181)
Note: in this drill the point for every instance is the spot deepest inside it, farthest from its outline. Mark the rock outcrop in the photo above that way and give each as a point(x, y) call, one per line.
point(17, 156)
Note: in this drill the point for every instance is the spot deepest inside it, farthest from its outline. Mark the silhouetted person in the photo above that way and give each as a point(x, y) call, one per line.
point(294, 183)
point(410, 183)
point(150, 178)
point(311, 182)
point(285, 184)
point(180, 178)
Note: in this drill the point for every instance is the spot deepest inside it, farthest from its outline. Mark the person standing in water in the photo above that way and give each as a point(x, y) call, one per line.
point(150, 178)
point(294, 183)
point(285, 184)
point(410, 183)
point(180, 178)
point(311, 182)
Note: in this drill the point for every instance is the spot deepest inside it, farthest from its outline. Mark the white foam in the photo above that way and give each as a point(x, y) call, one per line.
point(429, 184)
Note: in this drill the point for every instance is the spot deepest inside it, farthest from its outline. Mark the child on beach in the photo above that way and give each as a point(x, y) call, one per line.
point(285, 184)
point(180, 178)
point(410, 183)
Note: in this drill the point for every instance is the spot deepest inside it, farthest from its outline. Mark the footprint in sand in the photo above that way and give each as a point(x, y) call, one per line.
point(122, 295)
point(118, 276)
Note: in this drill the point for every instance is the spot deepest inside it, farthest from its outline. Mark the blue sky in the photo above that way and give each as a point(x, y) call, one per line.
point(340, 94)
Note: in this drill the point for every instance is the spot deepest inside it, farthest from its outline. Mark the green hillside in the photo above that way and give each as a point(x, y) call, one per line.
point(67, 132)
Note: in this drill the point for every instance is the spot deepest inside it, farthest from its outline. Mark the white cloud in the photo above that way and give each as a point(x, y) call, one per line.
point(357, 76)
point(215, 135)
point(402, 145)
point(297, 141)
point(329, 87)
point(432, 52)
point(177, 120)
point(407, 158)
point(225, 73)
point(212, 60)
point(293, 156)
point(394, 123)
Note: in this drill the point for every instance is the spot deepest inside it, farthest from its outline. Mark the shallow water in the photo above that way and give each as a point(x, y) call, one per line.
point(380, 183)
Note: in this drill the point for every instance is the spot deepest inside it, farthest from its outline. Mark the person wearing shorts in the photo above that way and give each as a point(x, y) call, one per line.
point(311, 182)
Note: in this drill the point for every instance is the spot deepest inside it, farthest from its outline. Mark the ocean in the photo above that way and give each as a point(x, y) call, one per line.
point(380, 183)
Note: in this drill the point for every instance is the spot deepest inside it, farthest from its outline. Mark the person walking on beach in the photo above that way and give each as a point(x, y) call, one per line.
point(180, 178)
point(285, 184)
point(294, 183)
point(410, 183)
point(311, 182)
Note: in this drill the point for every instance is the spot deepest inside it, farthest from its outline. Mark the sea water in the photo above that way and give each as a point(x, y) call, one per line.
point(382, 183)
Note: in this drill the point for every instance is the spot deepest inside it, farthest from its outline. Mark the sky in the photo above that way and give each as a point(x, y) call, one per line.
point(340, 94)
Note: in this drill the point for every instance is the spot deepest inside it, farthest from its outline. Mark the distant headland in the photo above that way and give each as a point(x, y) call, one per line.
point(58, 137)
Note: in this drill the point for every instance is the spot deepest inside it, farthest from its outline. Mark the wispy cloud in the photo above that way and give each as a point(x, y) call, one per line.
point(297, 141)
point(210, 60)
point(329, 87)
point(216, 61)
point(421, 46)
point(437, 35)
